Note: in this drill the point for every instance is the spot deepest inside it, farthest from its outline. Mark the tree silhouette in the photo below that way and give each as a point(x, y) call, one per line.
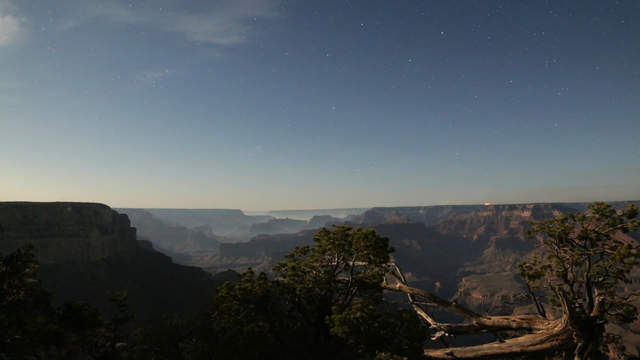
point(579, 267)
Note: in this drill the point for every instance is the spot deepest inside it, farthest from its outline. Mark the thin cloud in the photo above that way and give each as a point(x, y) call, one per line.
point(10, 25)
point(221, 22)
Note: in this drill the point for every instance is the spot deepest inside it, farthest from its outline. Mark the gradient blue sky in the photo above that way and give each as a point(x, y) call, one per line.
point(268, 104)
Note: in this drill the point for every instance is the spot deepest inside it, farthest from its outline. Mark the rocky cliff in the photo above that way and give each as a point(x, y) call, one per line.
point(89, 251)
point(66, 232)
point(428, 215)
point(221, 222)
point(468, 253)
point(168, 238)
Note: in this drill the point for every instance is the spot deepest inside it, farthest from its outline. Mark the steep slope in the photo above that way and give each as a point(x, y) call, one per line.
point(88, 251)
point(460, 235)
point(469, 253)
point(167, 237)
point(499, 233)
point(263, 250)
point(260, 253)
point(65, 232)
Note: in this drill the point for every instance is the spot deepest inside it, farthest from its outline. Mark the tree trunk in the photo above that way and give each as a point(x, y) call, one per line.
point(545, 335)
point(556, 336)
point(588, 337)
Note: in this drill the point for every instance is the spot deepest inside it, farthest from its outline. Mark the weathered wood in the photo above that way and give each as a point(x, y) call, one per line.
point(556, 336)
point(545, 335)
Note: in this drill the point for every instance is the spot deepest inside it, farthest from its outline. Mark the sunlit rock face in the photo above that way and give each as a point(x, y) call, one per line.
point(66, 232)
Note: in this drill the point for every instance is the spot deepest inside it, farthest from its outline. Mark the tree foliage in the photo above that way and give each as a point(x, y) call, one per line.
point(32, 328)
point(322, 301)
point(326, 301)
point(582, 263)
point(581, 266)
point(251, 318)
point(24, 306)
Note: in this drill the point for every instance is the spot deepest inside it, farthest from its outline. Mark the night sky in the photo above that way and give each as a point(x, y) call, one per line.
point(266, 104)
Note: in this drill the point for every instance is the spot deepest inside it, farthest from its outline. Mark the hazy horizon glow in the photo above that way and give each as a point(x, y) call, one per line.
point(273, 104)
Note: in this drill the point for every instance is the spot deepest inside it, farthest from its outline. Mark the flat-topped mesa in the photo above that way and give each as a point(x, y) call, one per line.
point(534, 210)
point(66, 232)
point(433, 215)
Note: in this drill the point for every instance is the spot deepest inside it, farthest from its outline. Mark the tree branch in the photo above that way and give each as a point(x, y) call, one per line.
point(556, 335)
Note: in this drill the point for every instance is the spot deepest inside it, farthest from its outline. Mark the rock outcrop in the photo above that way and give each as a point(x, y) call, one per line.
point(89, 251)
point(66, 232)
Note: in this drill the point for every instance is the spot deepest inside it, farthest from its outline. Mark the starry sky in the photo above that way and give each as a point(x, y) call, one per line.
point(274, 104)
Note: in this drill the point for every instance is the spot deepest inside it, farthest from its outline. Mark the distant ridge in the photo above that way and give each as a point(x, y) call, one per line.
point(215, 221)
point(307, 214)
